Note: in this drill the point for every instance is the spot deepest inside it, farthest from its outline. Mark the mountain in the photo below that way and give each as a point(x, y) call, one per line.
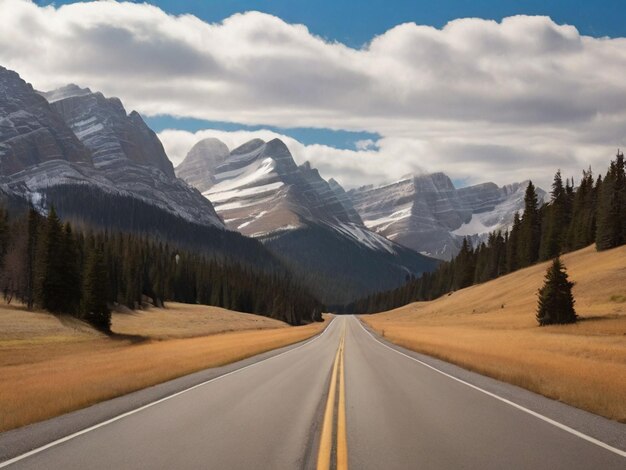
point(31, 133)
point(428, 214)
point(304, 220)
point(198, 167)
point(104, 168)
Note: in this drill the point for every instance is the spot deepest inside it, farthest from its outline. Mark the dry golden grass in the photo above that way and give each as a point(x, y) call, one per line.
point(186, 320)
point(51, 366)
point(491, 328)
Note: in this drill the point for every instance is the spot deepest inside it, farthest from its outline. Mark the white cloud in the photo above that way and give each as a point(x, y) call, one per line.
point(477, 99)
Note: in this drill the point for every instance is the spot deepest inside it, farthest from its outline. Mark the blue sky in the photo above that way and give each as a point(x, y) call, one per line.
point(355, 23)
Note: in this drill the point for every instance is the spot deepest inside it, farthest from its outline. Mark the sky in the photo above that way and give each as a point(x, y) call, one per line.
point(366, 91)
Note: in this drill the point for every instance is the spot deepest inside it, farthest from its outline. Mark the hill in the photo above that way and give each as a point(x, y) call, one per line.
point(491, 328)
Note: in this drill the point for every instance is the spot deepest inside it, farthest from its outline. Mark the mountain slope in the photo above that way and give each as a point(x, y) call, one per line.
point(261, 192)
point(428, 214)
point(491, 328)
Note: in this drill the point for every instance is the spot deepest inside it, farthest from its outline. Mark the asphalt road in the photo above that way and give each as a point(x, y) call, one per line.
point(343, 399)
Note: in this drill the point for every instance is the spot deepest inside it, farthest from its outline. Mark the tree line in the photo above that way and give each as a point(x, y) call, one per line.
point(594, 212)
point(49, 264)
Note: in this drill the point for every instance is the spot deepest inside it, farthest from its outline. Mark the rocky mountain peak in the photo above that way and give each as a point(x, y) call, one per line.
point(104, 127)
point(199, 166)
point(31, 132)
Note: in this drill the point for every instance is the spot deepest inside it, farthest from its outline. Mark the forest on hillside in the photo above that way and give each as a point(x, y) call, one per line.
point(575, 217)
point(52, 265)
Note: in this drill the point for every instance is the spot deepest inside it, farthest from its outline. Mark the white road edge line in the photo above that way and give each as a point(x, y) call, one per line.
point(69, 437)
point(504, 400)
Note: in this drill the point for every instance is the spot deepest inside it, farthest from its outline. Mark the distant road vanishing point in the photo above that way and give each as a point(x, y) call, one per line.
point(344, 399)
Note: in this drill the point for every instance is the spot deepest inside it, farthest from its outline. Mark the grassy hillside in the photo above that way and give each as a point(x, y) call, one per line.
point(51, 365)
point(491, 328)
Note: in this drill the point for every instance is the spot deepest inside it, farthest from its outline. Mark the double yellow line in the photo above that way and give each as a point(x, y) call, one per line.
point(326, 440)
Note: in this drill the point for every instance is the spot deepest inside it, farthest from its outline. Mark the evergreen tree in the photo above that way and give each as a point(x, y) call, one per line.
point(611, 215)
point(465, 266)
point(512, 248)
point(556, 302)
point(31, 250)
point(582, 227)
point(51, 286)
point(530, 229)
point(555, 219)
point(71, 272)
point(95, 308)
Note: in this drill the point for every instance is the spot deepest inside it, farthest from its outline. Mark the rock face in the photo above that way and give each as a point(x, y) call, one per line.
point(428, 214)
point(31, 132)
point(199, 165)
point(306, 221)
point(128, 153)
point(104, 127)
point(83, 138)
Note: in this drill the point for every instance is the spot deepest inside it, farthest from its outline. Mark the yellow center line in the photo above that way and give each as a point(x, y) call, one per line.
point(342, 441)
point(326, 439)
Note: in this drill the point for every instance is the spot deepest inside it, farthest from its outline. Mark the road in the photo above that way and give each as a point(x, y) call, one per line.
point(343, 399)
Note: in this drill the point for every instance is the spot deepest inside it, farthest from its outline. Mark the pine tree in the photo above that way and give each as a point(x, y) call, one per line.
point(556, 302)
point(465, 266)
point(31, 259)
point(50, 266)
point(71, 272)
point(611, 222)
point(512, 247)
point(95, 308)
point(530, 229)
point(555, 220)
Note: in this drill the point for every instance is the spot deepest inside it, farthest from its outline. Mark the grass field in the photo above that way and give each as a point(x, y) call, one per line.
point(50, 365)
point(491, 329)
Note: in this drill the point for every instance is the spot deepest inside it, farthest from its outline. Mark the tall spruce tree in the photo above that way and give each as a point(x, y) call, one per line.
point(556, 218)
point(95, 308)
point(530, 229)
point(51, 286)
point(33, 230)
point(611, 214)
point(465, 266)
point(71, 271)
point(556, 302)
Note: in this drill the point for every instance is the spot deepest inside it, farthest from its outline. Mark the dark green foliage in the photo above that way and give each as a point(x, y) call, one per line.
point(30, 256)
point(556, 302)
point(50, 284)
point(512, 246)
point(464, 266)
point(95, 309)
point(556, 219)
point(530, 229)
point(611, 217)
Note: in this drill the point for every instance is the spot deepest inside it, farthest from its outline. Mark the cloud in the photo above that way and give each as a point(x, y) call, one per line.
point(478, 98)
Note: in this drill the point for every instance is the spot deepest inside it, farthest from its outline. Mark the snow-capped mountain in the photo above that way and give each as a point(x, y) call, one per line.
point(82, 138)
point(261, 192)
point(427, 213)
